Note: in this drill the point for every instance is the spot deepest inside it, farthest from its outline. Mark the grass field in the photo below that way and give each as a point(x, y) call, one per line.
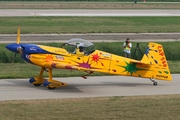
point(159, 107)
point(87, 5)
point(89, 24)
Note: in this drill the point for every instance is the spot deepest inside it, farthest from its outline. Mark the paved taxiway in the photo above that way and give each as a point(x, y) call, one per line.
point(92, 37)
point(21, 89)
point(86, 12)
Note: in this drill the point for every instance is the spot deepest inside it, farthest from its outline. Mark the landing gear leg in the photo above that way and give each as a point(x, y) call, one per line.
point(50, 79)
point(39, 77)
point(37, 81)
point(154, 82)
point(52, 84)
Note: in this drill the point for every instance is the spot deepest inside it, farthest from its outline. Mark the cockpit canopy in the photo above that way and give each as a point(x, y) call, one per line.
point(72, 44)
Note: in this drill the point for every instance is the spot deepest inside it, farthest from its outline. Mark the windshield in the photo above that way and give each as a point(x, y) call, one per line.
point(76, 41)
point(72, 44)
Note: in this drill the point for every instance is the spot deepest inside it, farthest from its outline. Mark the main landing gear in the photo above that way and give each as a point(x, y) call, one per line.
point(154, 82)
point(49, 83)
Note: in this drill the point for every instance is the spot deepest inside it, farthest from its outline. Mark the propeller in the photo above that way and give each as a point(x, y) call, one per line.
point(14, 57)
point(18, 40)
point(18, 35)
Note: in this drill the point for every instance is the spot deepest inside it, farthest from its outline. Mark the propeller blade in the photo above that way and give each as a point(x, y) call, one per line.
point(18, 35)
point(14, 57)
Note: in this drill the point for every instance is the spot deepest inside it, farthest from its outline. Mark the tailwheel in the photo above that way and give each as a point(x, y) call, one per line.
point(51, 88)
point(37, 84)
point(154, 82)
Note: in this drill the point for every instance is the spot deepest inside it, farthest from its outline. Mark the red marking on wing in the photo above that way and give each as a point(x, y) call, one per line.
point(68, 67)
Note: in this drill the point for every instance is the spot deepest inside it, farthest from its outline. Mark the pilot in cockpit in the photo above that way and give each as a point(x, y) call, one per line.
point(80, 49)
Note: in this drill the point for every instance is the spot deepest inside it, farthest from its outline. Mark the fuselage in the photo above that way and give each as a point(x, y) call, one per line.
point(98, 61)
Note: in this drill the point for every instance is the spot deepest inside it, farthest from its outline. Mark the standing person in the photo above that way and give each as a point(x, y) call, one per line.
point(127, 48)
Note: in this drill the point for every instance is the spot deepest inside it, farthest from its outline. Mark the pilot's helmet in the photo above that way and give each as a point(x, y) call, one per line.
point(81, 47)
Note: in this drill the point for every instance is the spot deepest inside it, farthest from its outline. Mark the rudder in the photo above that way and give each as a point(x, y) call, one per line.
point(155, 55)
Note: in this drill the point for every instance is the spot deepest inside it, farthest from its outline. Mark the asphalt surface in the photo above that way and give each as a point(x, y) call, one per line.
point(21, 89)
point(86, 12)
point(95, 37)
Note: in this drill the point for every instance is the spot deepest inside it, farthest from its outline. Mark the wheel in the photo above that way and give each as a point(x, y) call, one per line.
point(51, 88)
point(155, 83)
point(37, 84)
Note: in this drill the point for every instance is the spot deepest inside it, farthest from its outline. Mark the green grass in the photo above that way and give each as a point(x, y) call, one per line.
point(157, 107)
point(89, 24)
point(105, 4)
point(174, 66)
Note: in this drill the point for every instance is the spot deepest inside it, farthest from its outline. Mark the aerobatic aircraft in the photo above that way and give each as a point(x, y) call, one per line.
point(70, 56)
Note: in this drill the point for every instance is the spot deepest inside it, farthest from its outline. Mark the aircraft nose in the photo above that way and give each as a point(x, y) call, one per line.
point(13, 47)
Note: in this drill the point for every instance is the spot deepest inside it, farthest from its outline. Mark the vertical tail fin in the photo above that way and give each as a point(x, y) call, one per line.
point(155, 55)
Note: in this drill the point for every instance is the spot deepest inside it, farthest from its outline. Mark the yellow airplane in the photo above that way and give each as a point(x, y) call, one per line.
point(77, 54)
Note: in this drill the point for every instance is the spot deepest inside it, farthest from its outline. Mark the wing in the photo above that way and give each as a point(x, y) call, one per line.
point(64, 66)
point(60, 65)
